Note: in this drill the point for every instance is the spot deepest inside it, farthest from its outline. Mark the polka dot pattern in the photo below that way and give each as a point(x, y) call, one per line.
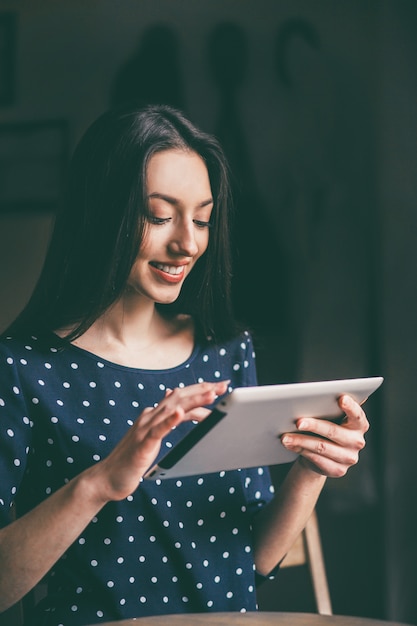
point(173, 546)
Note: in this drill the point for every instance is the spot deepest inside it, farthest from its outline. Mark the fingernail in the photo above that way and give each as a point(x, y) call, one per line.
point(286, 440)
point(302, 425)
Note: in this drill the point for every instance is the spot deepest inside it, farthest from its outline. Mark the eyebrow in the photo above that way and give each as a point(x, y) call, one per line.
point(175, 202)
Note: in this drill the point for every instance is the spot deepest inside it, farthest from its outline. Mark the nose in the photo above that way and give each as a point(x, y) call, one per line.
point(184, 240)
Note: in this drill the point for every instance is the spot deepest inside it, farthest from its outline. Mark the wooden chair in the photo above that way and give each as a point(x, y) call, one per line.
point(307, 550)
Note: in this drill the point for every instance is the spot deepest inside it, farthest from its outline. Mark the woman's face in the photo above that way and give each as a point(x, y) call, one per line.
point(180, 205)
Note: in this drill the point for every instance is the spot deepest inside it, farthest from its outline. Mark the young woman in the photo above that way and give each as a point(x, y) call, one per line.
point(128, 339)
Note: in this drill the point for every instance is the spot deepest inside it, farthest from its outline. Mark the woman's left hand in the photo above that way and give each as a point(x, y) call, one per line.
point(334, 447)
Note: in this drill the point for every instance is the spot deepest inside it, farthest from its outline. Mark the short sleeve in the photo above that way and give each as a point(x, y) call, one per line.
point(15, 433)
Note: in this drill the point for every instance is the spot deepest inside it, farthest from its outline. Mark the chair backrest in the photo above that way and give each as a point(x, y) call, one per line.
point(307, 550)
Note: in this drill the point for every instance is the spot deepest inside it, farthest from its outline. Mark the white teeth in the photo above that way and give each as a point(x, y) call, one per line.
point(169, 269)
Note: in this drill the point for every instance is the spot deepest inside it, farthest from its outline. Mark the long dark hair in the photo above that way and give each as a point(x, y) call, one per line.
point(100, 227)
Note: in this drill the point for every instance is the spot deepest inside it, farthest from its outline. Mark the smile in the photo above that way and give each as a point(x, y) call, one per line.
point(175, 270)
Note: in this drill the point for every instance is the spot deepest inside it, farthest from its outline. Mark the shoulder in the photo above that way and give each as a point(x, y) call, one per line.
point(22, 347)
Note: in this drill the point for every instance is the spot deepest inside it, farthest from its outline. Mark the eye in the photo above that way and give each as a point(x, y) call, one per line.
point(153, 219)
point(201, 224)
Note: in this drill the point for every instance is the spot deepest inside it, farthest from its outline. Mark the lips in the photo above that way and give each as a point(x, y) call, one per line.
point(175, 270)
point(169, 273)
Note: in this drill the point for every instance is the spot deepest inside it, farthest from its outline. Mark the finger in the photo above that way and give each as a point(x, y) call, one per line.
point(355, 415)
point(197, 415)
point(339, 434)
point(317, 447)
point(194, 396)
point(322, 465)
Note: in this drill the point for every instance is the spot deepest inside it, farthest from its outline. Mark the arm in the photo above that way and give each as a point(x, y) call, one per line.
point(32, 544)
point(329, 453)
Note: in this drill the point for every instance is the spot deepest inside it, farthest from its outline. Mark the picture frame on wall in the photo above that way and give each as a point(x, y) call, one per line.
point(33, 160)
point(8, 33)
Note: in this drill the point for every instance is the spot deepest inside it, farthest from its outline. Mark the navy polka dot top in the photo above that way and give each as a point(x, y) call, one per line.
point(173, 546)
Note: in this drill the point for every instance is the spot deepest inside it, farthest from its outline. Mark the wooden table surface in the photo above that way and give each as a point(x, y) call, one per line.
point(261, 618)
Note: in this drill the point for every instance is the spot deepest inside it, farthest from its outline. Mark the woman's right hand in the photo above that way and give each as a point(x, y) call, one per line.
point(120, 473)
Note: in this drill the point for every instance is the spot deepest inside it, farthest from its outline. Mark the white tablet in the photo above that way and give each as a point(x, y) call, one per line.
point(244, 428)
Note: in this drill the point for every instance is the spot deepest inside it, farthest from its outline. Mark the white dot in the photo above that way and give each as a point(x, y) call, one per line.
point(229, 594)
point(100, 614)
point(110, 583)
point(94, 563)
point(16, 462)
point(142, 599)
point(165, 599)
point(92, 384)
point(74, 608)
point(222, 351)
point(16, 390)
point(217, 579)
point(74, 366)
point(10, 432)
point(119, 518)
point(226, 555)
point(239, 571)
point(210, 603)
point(154, 579)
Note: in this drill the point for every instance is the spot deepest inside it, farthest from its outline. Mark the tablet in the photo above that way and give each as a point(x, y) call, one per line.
point(244, 428)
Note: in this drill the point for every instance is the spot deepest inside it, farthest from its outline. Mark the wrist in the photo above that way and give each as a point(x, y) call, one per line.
point(88, 488)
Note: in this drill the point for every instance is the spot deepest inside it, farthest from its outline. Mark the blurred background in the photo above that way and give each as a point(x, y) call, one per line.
point(315, 104)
